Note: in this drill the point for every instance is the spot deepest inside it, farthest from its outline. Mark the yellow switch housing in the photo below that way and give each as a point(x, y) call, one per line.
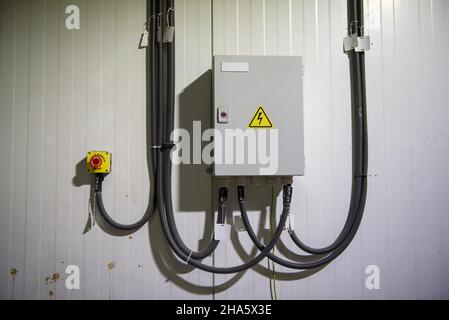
point(99, 162)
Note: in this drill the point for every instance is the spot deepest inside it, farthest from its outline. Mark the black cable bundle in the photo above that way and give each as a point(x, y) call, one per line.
point(359, 188)
point(152, 62)
point(360, 160)
point(161, 102)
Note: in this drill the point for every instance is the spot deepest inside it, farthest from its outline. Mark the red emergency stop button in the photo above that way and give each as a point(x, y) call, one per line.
point(96, 162)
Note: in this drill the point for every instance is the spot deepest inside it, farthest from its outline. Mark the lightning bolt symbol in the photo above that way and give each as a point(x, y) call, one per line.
point(260, 118)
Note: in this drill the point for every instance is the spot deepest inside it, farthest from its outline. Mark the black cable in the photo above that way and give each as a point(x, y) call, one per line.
point(345, 233)
point(322, 261)
point(151, 107)
point(160, 78)
point(359, 191)
point(167, 80)
point(360, 156)
point(222, 205)
point(107, 218)
point(151, 69)
point(164, 195)
point(359, 120)
point(198, 255)
point(227, 270)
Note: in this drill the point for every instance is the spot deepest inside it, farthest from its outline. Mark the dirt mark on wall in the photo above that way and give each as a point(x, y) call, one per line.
point(52, 280)
point(13, 273)
point(111, 267)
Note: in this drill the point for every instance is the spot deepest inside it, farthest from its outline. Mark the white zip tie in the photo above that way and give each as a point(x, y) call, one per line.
point(190, 256)
point(92, 205)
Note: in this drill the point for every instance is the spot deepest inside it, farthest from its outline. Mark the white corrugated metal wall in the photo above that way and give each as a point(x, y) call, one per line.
point(65, 92)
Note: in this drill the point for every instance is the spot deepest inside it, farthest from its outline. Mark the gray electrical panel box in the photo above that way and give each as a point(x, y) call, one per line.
point(259, 121)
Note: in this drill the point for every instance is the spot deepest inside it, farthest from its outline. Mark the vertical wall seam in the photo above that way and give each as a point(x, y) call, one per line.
point(264, 27)
point(332, 124)
point(237, 18)
point(212, 43)
point(42, 157)
point(100, 130)
point(198, 13)
point(434, 103)
point(72, 102)
point(290, 25)
point(412, 188)
point(251, 35)
point(13, 128)
point(86, 117)
point(184, 25)
point(276, 16)
point(115, 147)
point(128, 189)
point(212, 28)
point(58, 112)
point(384, 130)
point(27, 168)
point(437, 163)
point(319, 101)
point(144, 164)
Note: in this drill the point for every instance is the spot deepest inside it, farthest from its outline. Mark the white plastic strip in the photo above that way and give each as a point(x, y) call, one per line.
point(222, 232)
point(359, 44)
point(363, 44)
point(235, 67)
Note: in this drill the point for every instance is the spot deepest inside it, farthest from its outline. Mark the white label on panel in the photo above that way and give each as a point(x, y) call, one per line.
point(234, 67)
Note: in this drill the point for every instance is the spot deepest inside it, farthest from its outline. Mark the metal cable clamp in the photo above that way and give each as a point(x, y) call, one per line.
point(358, 44)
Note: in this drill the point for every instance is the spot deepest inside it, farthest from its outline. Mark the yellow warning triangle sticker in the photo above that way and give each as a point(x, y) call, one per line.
point(261, 120)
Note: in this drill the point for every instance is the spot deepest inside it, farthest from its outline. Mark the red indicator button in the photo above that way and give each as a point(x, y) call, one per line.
point(96, 162)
